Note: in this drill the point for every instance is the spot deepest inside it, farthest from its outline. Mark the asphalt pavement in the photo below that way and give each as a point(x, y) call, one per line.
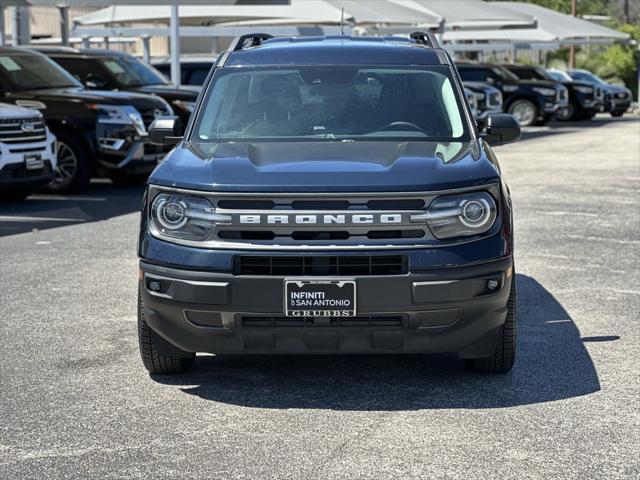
point(76, 403)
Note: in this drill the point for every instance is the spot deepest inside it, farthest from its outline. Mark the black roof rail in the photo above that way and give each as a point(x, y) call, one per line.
point(239, 43)
point(425, 38)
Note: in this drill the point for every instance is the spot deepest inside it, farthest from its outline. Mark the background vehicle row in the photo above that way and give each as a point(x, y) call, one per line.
point(98, 132)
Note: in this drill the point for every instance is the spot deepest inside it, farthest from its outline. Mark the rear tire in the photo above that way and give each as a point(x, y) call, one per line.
point(152, 359)
point(504, 356)
point(74, 168)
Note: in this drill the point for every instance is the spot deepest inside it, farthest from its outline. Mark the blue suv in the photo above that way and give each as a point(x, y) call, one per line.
point(329, 195)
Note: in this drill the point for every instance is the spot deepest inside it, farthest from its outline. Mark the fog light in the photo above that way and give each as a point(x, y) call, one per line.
point(493, 284)
point(154, 285)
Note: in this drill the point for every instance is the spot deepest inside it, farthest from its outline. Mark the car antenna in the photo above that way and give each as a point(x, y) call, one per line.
point(342, 22)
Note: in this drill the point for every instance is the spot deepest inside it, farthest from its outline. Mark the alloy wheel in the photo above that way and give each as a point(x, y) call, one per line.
point(524, 112)
point(67, 167)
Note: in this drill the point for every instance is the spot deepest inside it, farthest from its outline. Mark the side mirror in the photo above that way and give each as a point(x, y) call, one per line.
point(165, 131)
point(501, 128)
point(94, 81)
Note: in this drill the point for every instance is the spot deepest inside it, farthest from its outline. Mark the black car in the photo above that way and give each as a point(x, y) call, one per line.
point(583, 97)
point(331, 195)
point(617, 100)
point(488, 98)
point(193, 70)
point(98, 132)
point(109, 70)
point(531, 102)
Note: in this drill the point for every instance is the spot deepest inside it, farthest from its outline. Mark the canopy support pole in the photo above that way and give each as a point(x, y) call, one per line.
point(3, 37)
point(146, 48)
point(174, 30)
point(64, 24)
point(20, 24)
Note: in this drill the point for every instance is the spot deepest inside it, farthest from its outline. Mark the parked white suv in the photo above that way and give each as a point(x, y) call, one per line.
point(27, 152)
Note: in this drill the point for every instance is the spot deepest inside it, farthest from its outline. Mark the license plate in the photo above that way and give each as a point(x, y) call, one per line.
point(320, 298)
point(33, 161)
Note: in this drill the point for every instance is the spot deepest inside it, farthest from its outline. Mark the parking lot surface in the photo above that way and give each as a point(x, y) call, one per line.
point(77, 403)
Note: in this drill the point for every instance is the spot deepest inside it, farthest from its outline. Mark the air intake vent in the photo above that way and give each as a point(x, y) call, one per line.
point(348, 265)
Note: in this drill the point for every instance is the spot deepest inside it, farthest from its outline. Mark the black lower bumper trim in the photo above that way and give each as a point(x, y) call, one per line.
point(445, 310)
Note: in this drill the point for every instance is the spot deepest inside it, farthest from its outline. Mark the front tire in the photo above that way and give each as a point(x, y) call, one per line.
point(524, 111)
point(152, 359)
point(504, 356)
point(73, 171)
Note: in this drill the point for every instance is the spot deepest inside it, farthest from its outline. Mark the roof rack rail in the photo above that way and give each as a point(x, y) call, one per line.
point(425, 38)
point(256, 39)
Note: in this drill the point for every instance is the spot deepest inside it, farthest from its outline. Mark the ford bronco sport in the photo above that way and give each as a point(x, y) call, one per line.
point(329, 195)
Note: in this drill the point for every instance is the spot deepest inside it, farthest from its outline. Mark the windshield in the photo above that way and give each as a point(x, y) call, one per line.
point(529, 73)
point(559, 76)
point(131, 72)
point(32, 71)
point(587, 77)
point(331, 103)
point(505, 74)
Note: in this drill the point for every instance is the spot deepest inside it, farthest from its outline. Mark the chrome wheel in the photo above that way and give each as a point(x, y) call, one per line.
point(524, 112)
point(67, 167)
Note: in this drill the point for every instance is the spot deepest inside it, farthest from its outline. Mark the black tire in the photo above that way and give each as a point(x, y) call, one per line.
point(504, 356)
point(152, 359)
point(568, 113)
point(14, 195)
point(617, 114)
point(524, 111)
point(74, 164)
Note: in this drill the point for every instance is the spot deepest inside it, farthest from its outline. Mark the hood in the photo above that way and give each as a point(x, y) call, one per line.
point(171, 92)
point(326, 166)
point(109, 97)
point(8, 110)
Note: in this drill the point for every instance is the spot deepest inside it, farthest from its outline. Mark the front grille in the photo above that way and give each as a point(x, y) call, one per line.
point(326, 221)
point(320, 265)
point(261, 321)
point(563, 95)
point(494, 100)
point(18, 130)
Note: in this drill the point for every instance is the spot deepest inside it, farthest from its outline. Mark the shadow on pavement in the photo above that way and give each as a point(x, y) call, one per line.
point(102, 200)
point(552, 364)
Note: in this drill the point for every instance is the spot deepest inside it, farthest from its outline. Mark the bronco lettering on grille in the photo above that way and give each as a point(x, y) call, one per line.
point(320, 219)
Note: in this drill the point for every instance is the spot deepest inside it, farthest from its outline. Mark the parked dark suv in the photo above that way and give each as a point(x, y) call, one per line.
point(617, 100)
point(531, 102)
point(330, 195)
point(98, 132)
point(583, 97)
point(109, 70)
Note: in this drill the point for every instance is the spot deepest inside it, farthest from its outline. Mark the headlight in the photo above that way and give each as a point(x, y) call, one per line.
point(184, 216)
point(119, 115)
point(473, 100)
point(188, 106)
point(585, 90)
point(547, 92)
point(510, 88)
point(461, 215)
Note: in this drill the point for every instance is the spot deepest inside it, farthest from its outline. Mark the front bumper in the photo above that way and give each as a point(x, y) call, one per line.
point(13, 170)
point(139, 158)
point(438, 310)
